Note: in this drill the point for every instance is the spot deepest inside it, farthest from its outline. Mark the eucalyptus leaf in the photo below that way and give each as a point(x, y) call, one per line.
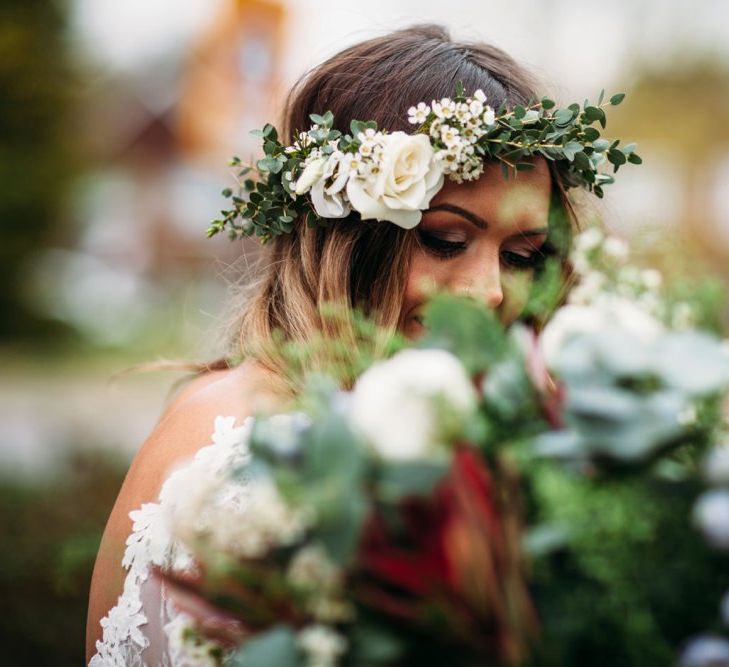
point(570, 149)
point(563, 117)
point(274, 648)
point(399, 480)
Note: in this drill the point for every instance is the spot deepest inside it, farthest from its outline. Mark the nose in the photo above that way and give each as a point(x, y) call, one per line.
point(492, 295)
point(485, 285)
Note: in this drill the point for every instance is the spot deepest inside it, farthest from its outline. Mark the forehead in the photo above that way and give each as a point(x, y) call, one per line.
point(522, 200)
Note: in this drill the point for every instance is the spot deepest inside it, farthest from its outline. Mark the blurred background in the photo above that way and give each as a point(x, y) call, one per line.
point(116, 123)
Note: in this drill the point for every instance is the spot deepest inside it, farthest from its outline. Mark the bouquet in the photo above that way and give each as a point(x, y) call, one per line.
point(488, 497)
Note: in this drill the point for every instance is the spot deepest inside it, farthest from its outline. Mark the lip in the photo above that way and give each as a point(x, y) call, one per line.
point(417, 327)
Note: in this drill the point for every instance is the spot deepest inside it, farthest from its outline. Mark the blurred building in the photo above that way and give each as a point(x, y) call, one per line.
point(161, 137)
point(231, 80)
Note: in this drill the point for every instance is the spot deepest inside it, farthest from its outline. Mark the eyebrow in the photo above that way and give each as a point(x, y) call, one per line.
point(464, 213)
point(478, 221)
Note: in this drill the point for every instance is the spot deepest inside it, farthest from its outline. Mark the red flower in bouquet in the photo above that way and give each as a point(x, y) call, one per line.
point(450, 566)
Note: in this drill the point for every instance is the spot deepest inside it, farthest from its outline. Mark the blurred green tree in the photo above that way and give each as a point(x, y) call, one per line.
point(37, 154)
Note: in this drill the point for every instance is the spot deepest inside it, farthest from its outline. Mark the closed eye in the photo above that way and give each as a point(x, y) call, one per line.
point(438, 246)
point(521, 261)
point(527, 258)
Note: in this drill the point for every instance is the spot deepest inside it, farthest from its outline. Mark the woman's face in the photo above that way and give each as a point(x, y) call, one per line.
point(481, 239)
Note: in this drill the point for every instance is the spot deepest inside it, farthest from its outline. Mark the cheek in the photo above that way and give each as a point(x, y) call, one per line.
point(424, 278)
point(427, 274)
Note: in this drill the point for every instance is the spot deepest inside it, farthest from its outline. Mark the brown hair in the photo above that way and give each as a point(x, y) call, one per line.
point(360, 264)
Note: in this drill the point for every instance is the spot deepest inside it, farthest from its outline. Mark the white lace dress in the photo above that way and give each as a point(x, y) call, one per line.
point(144, 627)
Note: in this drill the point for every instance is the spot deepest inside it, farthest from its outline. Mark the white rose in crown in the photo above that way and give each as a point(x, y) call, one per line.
point(412, 405)
point(408, 178)
point(312, 173)
point(330, 201)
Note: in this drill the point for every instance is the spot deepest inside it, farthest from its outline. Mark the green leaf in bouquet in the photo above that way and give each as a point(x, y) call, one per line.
point(564, 445)
point(373, 646)
point(547, 290)
point(341, 521)
point(331, 450)
point(649, 426)
point(507, 389)
point(399, 480)
point(548, 285)
point(332, 483)
point(466, 328)
point(275, 648)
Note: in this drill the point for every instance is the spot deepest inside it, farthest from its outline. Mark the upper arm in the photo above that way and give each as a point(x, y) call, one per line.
point(185, 427)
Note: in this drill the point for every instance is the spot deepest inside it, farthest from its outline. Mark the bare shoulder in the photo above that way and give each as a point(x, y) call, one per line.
point(188, 422)
point(185, 427)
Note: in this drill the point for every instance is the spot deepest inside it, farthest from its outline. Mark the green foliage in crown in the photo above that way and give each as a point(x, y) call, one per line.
point(392, 176)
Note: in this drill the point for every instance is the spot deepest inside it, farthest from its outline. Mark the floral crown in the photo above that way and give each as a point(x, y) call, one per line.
point(392, 176)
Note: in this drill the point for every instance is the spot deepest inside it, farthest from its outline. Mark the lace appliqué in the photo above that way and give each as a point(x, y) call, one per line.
point(127, 637)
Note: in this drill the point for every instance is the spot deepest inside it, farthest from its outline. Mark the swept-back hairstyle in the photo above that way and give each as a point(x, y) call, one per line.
point(358, 264)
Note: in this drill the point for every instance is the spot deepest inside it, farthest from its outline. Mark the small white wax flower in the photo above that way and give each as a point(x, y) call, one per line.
point(463, 112)
point(651, 278)
point(322, 645)
point(591, 285)
point(682, 317)
point(311, 568)
point(711, 514)
point(589, 239)
point(403, 405)
point(313, 573)
point(444, 108)
point(716, 464)
point(450, 136)
point(417, 115)
point(187, 647)
point(615, 248)
point(489, 116)
point(480, 96)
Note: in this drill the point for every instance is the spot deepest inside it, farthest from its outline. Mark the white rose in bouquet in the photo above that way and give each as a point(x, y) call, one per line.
point(406, 406)
point(609, 311)
point(711, 515)
point(408, 177)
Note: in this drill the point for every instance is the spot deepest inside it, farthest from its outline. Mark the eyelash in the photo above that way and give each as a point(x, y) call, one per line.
point(444, 249)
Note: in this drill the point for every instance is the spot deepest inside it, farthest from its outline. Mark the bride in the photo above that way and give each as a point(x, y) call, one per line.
point(486, 238)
